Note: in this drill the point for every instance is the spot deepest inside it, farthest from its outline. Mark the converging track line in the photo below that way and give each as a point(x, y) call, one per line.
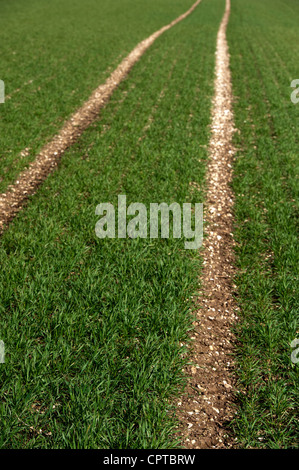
point(204, 412)
point(12, 201)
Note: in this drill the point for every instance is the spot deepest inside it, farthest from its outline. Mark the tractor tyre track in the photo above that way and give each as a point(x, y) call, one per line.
point(208, 402)
point(12, 201)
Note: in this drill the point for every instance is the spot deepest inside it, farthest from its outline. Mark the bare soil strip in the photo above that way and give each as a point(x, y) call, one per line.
point(207, 404)
point(28, 181)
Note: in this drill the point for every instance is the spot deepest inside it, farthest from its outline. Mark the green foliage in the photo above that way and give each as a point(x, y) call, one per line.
point(54, 54)
point(93, 328)
point(263, 41)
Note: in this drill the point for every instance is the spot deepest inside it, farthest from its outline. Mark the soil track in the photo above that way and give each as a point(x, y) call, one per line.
point(207, 405)
point(12, 201)
point(203, 412)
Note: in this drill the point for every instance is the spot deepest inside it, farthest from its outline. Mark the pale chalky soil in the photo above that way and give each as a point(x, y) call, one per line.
point(207, 404)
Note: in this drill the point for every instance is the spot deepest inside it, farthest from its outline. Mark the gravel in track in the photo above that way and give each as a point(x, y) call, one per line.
point(207, 404)
point(12, 201)
point(202, 413)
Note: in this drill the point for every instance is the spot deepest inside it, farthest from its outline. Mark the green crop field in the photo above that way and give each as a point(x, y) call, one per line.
point(93, 329)
point(97, 331)
point(263, 38)
point(54, 54)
